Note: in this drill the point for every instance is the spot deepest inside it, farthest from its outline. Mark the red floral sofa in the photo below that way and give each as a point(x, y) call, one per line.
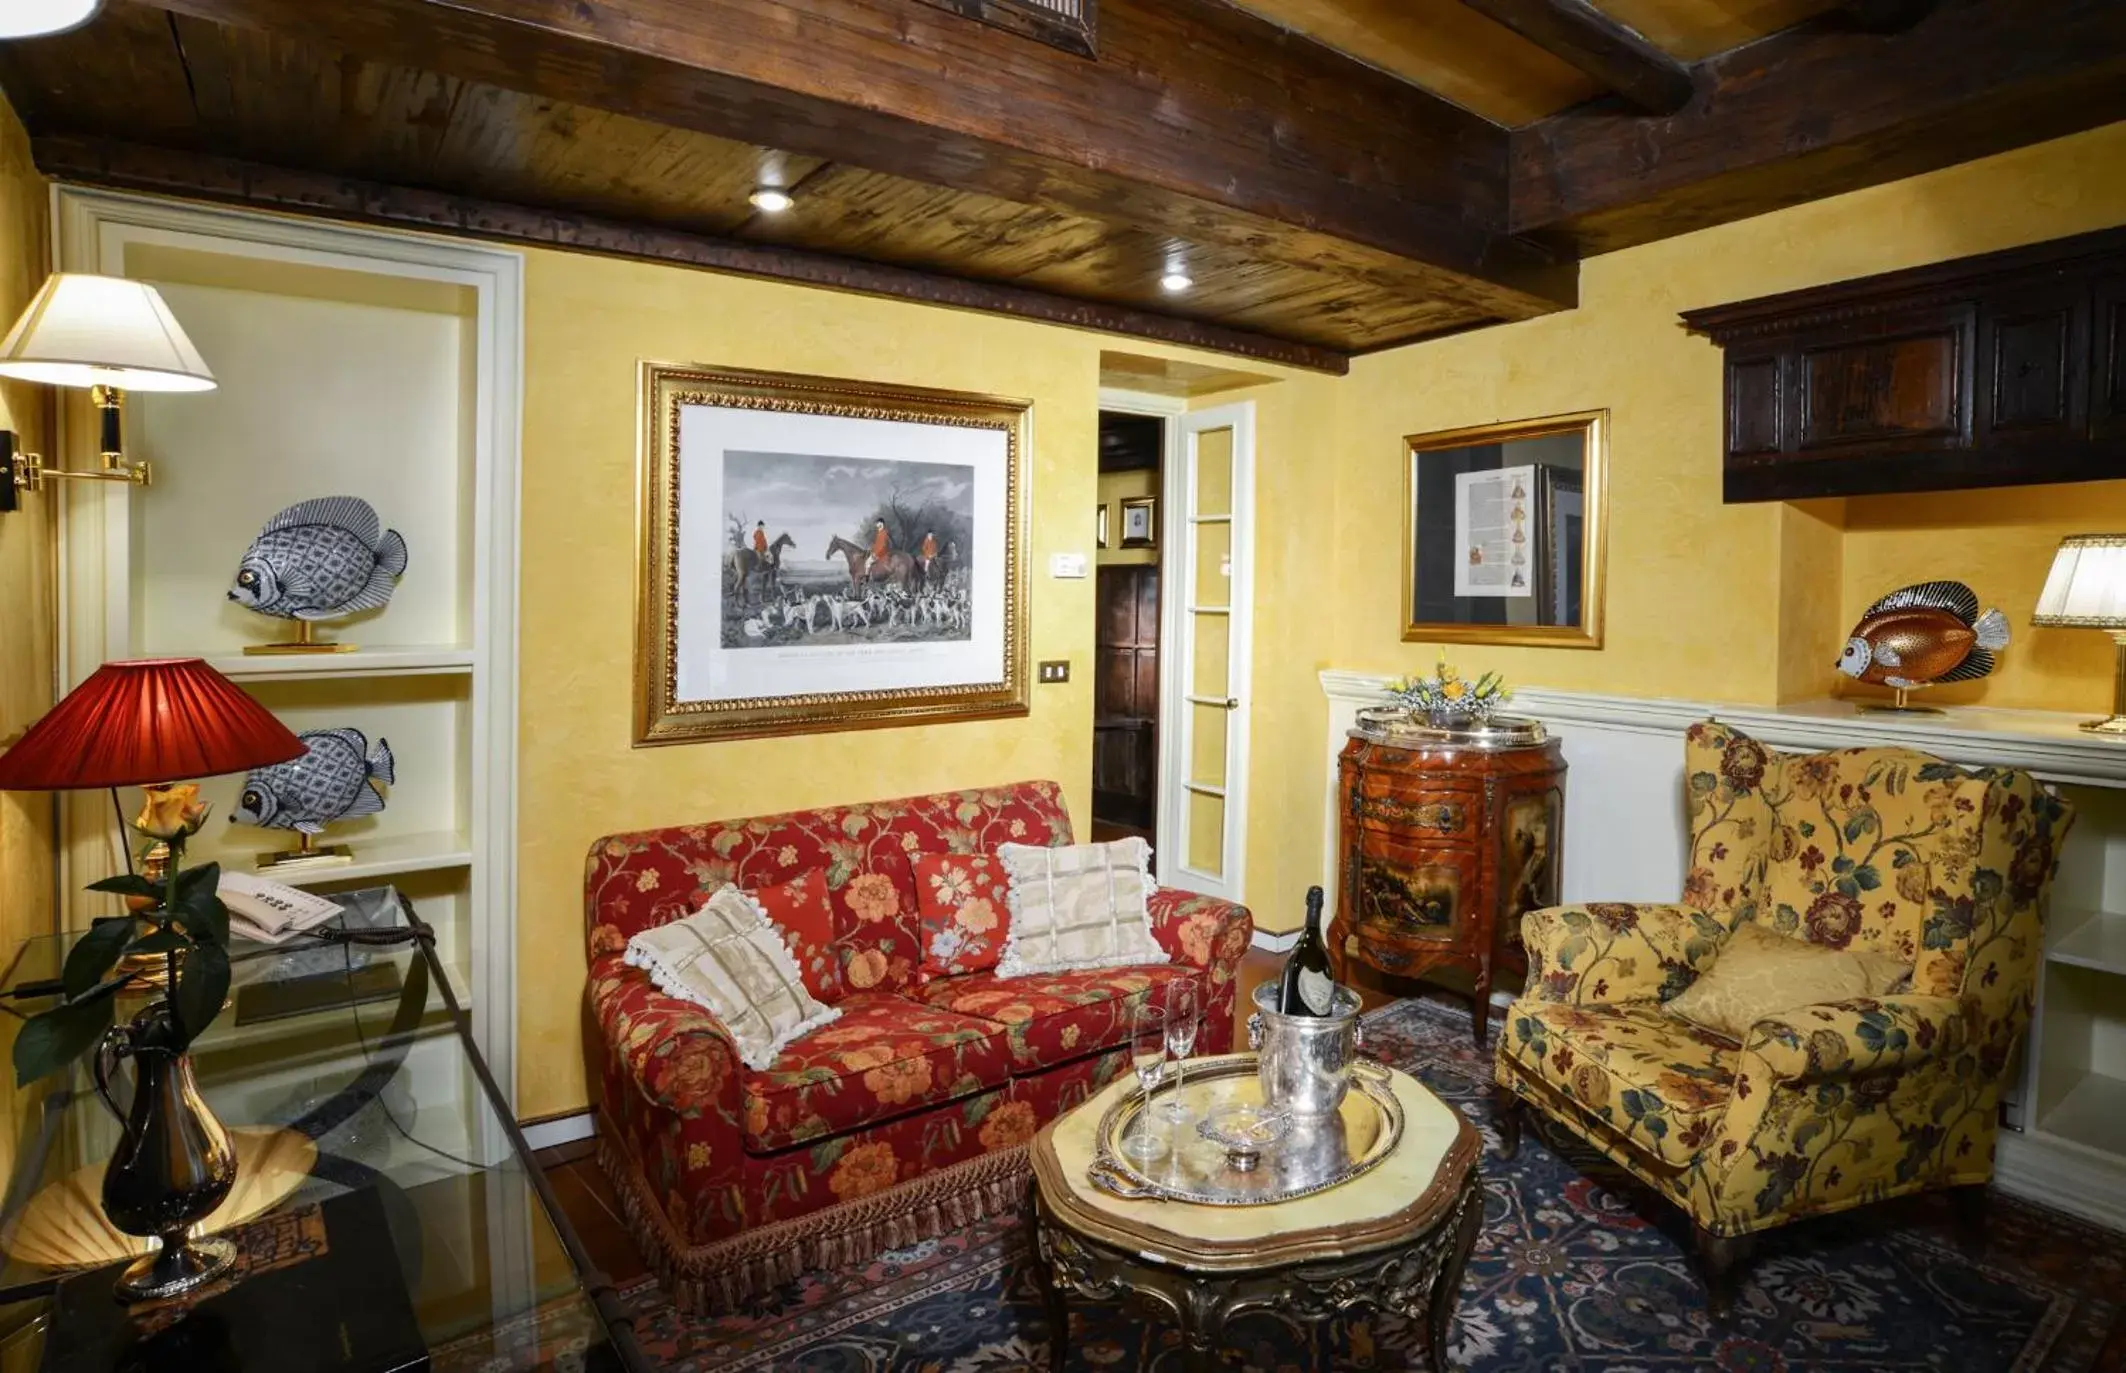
point(905, 1117)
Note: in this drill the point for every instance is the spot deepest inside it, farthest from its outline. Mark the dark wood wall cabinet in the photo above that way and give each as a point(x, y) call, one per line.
point(2002, 370)
point(1444, 845)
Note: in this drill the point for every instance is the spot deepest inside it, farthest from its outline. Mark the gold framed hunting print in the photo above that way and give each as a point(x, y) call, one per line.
point(819, 554)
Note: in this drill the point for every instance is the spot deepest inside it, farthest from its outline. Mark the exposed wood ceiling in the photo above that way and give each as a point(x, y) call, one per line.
point(1421, 168)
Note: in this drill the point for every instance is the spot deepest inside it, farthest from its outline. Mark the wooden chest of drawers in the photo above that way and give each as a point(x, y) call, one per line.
point(1443, 846)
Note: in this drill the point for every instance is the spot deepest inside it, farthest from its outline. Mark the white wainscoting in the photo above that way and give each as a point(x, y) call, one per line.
point(1626, 839)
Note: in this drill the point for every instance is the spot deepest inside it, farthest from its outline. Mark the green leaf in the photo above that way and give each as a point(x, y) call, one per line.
point(1849, 887)
point(1866, 876)
point(47, 1043)
point(159, 941)
point(94, 953)
point(202, 985)
point(1859, 823)
point(129, 884)
point(199, 905)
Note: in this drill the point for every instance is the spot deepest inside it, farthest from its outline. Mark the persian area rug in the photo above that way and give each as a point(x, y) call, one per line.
point(1578, 1270)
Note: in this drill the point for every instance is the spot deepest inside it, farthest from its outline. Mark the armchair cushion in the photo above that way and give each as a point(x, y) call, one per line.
point(1758, 974)
point(886, 1057)
point(1660, 1083)
point(1611, 951)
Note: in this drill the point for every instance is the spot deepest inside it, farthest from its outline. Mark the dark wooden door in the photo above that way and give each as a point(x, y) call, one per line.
point(1126, 696)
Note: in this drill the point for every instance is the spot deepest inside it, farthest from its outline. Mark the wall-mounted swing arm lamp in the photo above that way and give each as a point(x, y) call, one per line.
point(111, 336)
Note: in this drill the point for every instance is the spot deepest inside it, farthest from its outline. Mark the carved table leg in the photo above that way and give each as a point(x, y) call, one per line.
point(1447, 1287)
point(1480, 1007)
point(1045, 1278)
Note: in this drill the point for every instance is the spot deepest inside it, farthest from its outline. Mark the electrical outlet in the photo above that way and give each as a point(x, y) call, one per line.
point(1056, 670)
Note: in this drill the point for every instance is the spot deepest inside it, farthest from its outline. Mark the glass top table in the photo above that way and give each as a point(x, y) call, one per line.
point(339, 1068)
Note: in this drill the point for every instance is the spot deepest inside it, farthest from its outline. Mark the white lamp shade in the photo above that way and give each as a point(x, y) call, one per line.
point(30, 18)
point(84, 330)
point(2086, 588)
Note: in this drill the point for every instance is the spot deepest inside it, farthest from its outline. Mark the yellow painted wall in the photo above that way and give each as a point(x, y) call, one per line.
point(30, 617)
point(28, 614)
point(1735, 602)
point(588, 323)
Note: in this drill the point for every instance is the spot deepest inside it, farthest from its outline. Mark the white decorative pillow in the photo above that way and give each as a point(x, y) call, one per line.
point(1078, 907)
point(729, 957)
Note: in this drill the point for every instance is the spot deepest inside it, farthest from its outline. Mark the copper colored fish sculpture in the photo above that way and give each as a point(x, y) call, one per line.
point(1922, 635)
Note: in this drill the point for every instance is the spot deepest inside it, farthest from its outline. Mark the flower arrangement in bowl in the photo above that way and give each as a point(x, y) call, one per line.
point(1448, 700)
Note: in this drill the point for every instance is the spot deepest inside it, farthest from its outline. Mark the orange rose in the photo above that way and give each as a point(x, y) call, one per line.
point(978, 915)
point(872, 897)
point(866, 1169)
point(904, 1079)
point(1008, 1126)
point(606, 939)
point(756, 1116)
point(867, 969)
point(693, 1077)
point(171, 812)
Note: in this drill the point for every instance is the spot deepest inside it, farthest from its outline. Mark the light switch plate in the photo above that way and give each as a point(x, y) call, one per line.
point(1055, 670)
point(1066, 564)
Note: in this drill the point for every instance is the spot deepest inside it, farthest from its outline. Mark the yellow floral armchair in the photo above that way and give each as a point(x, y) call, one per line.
point(1827, 1107)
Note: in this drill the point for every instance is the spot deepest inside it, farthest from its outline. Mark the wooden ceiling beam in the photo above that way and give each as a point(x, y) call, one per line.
point(201, 176)
point(1821, 109)
point(1198, 120)
point(1582, 36)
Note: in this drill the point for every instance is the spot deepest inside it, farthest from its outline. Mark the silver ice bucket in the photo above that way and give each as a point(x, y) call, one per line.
point(1304, 1060)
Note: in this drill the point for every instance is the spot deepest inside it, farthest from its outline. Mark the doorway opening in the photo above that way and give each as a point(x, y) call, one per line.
point(1126, 628)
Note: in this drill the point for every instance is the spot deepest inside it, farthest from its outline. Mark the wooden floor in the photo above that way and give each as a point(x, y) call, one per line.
point(587, 1198)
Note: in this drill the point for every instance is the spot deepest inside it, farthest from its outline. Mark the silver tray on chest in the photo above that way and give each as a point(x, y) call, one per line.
point(1314, 1155)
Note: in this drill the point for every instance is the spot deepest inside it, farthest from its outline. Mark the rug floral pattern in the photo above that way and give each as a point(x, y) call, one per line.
point(1579, 1269)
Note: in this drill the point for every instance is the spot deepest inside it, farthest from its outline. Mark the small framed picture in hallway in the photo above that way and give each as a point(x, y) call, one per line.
point(822, 555)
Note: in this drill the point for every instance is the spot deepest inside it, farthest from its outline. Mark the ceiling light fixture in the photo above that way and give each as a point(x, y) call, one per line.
point(34, 18)
point(1175, 281)
point(771, 200)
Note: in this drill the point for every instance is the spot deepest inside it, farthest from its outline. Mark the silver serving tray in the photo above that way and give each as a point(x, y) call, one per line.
point(1394, 725)
point(1315, 1155)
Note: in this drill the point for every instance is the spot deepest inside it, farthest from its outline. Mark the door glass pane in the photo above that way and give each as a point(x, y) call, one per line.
point(1214, 568)
point(1214, 473)
point(1206, 834)
point(1208, 637)
point(1207, 744)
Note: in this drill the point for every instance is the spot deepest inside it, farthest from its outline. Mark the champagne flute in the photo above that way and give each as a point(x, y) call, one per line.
point(1182, 1016)
point(1147, 1052)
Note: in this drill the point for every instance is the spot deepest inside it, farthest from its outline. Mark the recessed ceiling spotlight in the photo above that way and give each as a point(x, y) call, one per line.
point(1175, 281)
point(30, 18)
point(771, 200)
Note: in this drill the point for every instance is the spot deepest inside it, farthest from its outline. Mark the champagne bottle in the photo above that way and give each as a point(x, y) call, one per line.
point(1307, 988)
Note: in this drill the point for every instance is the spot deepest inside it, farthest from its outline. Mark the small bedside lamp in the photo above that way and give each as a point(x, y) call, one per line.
point(110, 335)
point(2086, 589)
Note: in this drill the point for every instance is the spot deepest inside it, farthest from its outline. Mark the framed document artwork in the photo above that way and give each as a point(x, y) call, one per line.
point(825, 555)
point(1504, 533)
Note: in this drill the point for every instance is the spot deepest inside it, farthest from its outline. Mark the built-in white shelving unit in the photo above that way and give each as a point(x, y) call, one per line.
point(351, 362)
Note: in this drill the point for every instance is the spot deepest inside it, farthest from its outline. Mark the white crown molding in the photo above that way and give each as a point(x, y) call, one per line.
point(2046, 743)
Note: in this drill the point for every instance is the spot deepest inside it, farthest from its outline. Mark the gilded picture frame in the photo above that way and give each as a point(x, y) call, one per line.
point(741, 632)
point(1504, 530)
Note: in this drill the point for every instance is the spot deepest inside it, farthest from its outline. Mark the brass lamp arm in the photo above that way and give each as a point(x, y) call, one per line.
point(21, 471)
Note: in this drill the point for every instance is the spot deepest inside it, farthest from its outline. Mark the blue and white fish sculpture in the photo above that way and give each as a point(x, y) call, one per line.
point(319, 560)
point(336, 778)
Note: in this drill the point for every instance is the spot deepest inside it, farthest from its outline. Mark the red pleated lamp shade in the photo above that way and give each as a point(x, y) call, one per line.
point(143, 722)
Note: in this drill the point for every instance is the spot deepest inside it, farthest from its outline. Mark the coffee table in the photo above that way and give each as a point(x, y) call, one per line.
point(1394, 1239)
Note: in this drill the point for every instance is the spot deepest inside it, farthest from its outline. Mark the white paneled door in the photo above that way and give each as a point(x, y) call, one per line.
point(1208, 567)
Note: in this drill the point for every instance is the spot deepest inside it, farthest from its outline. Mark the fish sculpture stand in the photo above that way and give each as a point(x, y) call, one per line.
point(338, 777)
point(1919, 636)
point(319, 560)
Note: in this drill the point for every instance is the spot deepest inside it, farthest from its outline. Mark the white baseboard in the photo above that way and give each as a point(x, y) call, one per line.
point(2067, 1177)
point(1275, 943)
point(545, 1134)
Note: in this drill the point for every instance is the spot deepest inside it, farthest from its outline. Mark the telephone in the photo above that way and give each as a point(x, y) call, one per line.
point(269, 912)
